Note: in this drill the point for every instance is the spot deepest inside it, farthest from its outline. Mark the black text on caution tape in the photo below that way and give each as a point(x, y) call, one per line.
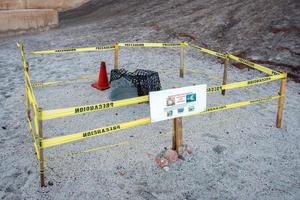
point(215, 108)
point(258, 80)
point(260, 100)
point(105, 47)
point(101, 130)
point(134, 45)
point(94, 107)
point(65, 50)
point(214, 89)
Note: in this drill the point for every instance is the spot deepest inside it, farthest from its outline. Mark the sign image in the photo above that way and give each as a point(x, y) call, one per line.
point(172, 103)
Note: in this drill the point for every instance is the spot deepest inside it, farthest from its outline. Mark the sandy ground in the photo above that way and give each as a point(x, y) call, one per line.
point(237, 154)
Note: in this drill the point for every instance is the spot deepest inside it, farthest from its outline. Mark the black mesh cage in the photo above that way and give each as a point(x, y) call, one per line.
point(144, 80)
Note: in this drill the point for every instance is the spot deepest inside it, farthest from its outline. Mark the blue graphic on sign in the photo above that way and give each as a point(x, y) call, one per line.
point(180, 110)
point(190, 97)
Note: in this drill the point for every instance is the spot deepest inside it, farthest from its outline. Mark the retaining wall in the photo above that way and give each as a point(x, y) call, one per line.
point(20, 21)
point(59, 5)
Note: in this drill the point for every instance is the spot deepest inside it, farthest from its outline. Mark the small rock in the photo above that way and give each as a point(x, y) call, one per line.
point(116, 114)
point(4, 127)
point(189, 149)
point(50, 183)
point(122, 173)
point(161, 162)
point(166, 168)
point(181, 157)
point(171, 155)
point(219, 149)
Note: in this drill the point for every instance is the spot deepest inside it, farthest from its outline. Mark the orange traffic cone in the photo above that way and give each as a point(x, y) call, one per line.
point(102, 83)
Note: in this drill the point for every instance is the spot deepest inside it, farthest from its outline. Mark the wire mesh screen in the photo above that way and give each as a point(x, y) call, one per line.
point(144, 80)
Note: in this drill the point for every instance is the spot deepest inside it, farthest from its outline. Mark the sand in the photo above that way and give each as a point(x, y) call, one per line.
point(237, 154)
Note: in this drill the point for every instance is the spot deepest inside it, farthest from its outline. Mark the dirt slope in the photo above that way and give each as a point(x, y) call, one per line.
point(266, 32)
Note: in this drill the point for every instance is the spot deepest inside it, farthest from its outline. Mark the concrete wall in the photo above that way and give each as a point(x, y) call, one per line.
point(59, 5)
point(20, 21)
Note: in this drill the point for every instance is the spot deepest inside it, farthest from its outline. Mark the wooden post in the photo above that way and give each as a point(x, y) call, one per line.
point(116, 63)
point(41, 151)
point(225, 73)
point(177, 135)
point(181, 68)
point(281, 103)
point(27, 104)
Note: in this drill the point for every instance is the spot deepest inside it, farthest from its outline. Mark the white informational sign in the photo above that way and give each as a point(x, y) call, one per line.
point(172, 103)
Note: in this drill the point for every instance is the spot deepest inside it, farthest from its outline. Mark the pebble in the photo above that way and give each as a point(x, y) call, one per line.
point(189, 150)
point(161, 162)
point(181, 157)
point(171, 155)
point(166, 168)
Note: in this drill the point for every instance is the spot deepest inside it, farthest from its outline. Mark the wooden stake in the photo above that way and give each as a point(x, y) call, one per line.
point(177, 135)
point(28, 106)
point(225, 73)
point(116, 64)
point(41, 151)
point(181, 68)
point(281, 103)
point(26, 94)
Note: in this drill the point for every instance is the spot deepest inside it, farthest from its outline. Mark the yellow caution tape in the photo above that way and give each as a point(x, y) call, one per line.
point(129, 142)
point(246, 83)
point(240, 60)
point(35, 117)
point(33, 138)
point(214, 53)
point(110, 146)
point(31, 97)
point(36, 121)
point(28, 94)
point(125, 142)
point(137, 44)
point(34, 106)
point(109, 47)
point(23, 56)
point(32, 101)
point(88, 150)
point(36, 113)
point(46, 143)
point(253, 65)
point(71, 50)
point(30, 89)
point(237, 104)
point(64, 112)
point(106, 147)
point(45, 84)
